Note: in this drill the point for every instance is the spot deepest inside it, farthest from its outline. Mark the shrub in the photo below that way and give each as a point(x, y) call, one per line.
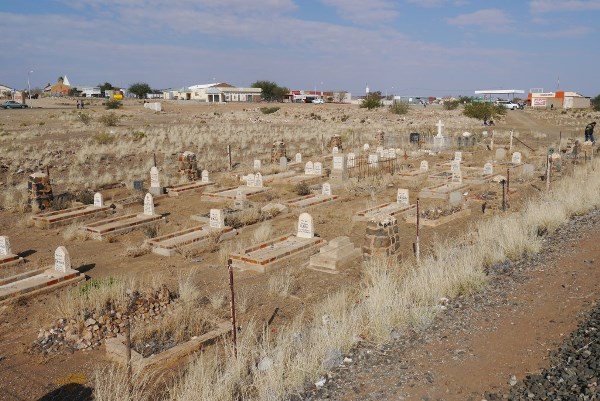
point(103, 138)
point(138, 135)
point(451, 104)
point(596, 103)
point(113, 104)
point(302, 189)
point(399, 108)
point(371, 102)
point(84, 118)
point(110, 119)
point(269, 110)
point(479, 110)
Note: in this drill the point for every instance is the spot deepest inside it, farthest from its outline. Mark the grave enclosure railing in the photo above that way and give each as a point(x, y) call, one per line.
point(363, 168)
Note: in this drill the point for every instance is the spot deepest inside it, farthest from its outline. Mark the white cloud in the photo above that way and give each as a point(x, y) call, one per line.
point(549, 6)
point(364, 12)
point(494, 20)
point(572, 32)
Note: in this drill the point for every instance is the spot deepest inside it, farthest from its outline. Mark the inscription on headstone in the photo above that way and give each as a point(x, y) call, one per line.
point(98, 200)
point(318, 168)
point(148, 205)
point(488, 169)
point(516, 158)
point(4, 246)
point(326, 190)
point(402, 197)
point(454, 166)
point(305, 226)
point(373, 160)
point(154, 181)
point(258, 180)
point(458, 156)
point(424, 165)
point(457, 177)
point(62, 261)
point(204, 175)
point(335, 150)
point(257, 165)
point(339, 162)
point(217, 220)
point(309, 168)
point(298, 158)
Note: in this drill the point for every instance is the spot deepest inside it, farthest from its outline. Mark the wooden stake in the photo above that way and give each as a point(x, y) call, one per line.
point(233, 323)
point(511, 140)
point(128, 349)
point(548, 170)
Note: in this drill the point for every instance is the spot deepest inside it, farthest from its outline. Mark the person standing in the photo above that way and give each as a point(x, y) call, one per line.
point(589, 132)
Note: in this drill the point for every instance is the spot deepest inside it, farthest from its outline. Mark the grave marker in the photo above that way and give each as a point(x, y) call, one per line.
point(98, 200)
point(516, 158)
point(454, 166)
point(250, 180)
point(326, 191)
point(458, 156)
point(154, 181)
point(457, 177)
point(424, 165)
point(283, 162)
point(318, 168)
point(402, 197)
point(149, 205)
point(306, 228)
point(258, 180)
point(339, 162)
point(204, 175)
point(373, 160)
point(366, 147)
point(335, 150)
point(392, 153)
point(488, 169)
point(298, 158)
point(5, 246)
point(217, 220)
point(500, 153)
point(385, 154)
point(309, 168)
point(257, 165)
point(62, 261)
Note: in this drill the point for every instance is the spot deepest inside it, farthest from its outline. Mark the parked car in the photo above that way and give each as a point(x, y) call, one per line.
point(11, 104)
point(318, 101)
point(508, 104)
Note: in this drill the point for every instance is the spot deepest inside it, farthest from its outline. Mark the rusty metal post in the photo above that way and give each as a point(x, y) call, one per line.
point(154, 157)
point(503, 182)
point(417, 245)
point(507, 187)
point(548, 170)
point(128, 349)
point(229, 155)
point(233, 323)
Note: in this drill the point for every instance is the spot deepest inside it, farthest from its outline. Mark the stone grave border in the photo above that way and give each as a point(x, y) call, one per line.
point(441, 191)
point(438, 222)
point(203, 232)
point(181, 189)
point(54, 281)
point(219, 195)
point(364, 215)
point(298, 203)
point(137, 220)
point(68, 216)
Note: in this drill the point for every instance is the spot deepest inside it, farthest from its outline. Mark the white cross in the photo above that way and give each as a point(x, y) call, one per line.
point(439, 125)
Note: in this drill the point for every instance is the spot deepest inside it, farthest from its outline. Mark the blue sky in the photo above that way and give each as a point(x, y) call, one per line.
point(409, 47)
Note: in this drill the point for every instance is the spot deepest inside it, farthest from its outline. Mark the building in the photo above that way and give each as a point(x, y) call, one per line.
point(60, 88)
point(89, 91)
point(215, 93)
point(538, 99)
point(299, 96)
point(5, 91)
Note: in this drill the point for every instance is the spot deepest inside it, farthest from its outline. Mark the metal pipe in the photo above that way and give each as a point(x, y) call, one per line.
point(233, 323)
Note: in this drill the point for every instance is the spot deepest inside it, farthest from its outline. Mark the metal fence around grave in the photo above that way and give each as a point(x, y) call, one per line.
point(364, 169)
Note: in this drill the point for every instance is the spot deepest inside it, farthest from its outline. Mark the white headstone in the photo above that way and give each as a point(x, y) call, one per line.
point(351, 160)
point(298, 157)
point(204, 175)
point(339, 162)
point(373, 160)
point(516, 158)
point(306, 228)
point(250, 180)
point(283, 162)
point(366, 147)
point(458, 156)
point(488, 169)
point(457, 177)
point(392, 153)
point(385, 154)
point(258, 180)
point(326, 191)
point(424, 165)
point(148, 205)
point(500, 153)
point(454, 166)
point(154, 181)
point(402, 197)
point(379, 150)
point(62, 261)
point(309, 168)
point(217, 220)
point(318, 168)
point(4, 246)
point(257, 165)
point(98, 200)
point(336, 150)
point(439, 126)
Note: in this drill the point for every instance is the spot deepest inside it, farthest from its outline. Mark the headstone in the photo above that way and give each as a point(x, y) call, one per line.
point(98, 200)
point(438, 142)
point(306, 228)
point(455, 198)
point(258, 180)
point(439, 126)
point(488, 169)
point(500, 153)
point(516, 158)
point(458, 156)
point(318, 168)
point(373, 160)
point(335, 150)
point(4, 246)
point(326, 191)
point(379, 150)
point(392, 153)
point(62, 261)
point(148, 205)
point(138, 185)
point(250, 180)
point(457, 177)
point(402, 197)
point(283, 162)
point(424, 165)
point(257, 165)
point(366, 147)
point(154, 181)
point(385, 154)
point(339, 162)
point(241, 200)
point(454, 166)
point(309, 168)
point(217, 220)
point(351, 162)
point(298, 157)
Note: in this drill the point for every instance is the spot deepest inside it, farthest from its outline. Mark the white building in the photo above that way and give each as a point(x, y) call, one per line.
point(215, 93)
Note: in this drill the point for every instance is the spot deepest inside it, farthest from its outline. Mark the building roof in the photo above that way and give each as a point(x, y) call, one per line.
point(500, 92)
point(213, 85)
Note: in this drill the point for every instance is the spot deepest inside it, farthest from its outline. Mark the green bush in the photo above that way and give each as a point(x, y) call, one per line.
point(269, 110)
point(451, 104)
point(371, 102)
point(479, 110)
point(302, 189)
point(138, 135)
point(596, 103)
point(103, 138)
point(399, 108)
point(110, 119)
point(112, 104)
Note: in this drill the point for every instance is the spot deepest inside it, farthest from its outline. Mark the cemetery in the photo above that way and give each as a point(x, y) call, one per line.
point(340, 196)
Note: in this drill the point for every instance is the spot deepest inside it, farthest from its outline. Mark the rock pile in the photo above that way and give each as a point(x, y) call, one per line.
point(69, 334)
point(575, 370)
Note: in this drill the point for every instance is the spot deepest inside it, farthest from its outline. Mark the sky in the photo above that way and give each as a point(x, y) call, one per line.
point(402, 47)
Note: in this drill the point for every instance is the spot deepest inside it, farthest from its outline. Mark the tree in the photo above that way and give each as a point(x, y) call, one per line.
point(140, 89)
point(106, 87)
point(596, 103)
point(372, 101)
point(270, 90)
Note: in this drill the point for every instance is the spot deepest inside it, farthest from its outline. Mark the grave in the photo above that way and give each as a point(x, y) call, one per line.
point(276, 253)
point(335, 142)
point(189, 187)
point(313, 199)
point(439, 220)
point(73, 214)
point(278, 151)
point(155, 188)
point(7, 258)
point(257, 165)
point(442, 191)
point(439, 141)
point(337, 254)
point(40, 190)
point(155, 106)
point(170, 244)
point(283, 163)
point(401, 207)
point(382, 237)
point(339, 171)
point(35, 282)
point(423, 169)
point(119, 225)
point(188, 165)
point(230, 193)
